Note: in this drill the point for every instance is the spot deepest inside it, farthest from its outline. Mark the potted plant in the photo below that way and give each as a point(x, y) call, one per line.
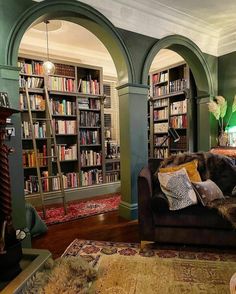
point(218, 107)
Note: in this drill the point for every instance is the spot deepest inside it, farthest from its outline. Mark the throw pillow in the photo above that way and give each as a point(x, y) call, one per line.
point(191, 168)
point(207, 191)
point(178, 189)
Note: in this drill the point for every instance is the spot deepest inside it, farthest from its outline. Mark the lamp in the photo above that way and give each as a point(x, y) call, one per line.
point(48, 66)
point(171, 134)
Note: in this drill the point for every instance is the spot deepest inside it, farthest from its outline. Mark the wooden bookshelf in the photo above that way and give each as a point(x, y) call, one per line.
point(76, 103)
point(169, 106)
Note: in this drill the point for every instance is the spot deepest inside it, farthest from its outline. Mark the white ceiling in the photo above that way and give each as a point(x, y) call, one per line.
point(209, 23)
point(220, 14)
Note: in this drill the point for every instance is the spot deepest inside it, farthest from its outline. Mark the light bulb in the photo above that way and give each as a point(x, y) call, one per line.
point(48, 68)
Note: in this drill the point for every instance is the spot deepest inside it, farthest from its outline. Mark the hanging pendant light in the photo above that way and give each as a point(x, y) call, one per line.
point(48, 66)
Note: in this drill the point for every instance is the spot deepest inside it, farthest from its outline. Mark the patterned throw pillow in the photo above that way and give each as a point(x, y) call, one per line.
point(191, 168)
point(207, 191)
point(178, 189)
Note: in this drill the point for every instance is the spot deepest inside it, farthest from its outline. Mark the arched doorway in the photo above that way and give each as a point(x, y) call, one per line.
point(205, 86)
point(95, 22)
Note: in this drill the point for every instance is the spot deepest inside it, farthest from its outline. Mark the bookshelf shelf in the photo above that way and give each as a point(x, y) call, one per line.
point(91, 166)
point(170, 107)
point(76, 103)
point(33, 90)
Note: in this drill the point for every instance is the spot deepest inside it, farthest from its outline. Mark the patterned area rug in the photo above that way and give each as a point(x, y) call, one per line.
point(81, 209)
point(126, 269)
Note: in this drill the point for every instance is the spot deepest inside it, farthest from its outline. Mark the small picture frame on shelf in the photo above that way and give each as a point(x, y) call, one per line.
point(4, 100)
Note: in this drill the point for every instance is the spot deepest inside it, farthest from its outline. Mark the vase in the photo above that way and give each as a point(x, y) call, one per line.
point(223, 139)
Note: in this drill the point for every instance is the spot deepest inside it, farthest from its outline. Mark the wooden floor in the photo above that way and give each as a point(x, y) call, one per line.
point(104, 227)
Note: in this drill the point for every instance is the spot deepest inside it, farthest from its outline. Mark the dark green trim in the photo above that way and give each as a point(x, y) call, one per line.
point(132, 85)
point(79, 13)
point(191, 54)
point(128, 210)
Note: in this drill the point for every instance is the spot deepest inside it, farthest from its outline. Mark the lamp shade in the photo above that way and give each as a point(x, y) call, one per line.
point(173, 134)
point(48, 68)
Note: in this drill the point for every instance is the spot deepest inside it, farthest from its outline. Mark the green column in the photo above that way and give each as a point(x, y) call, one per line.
point(9, 81)
point(133, 144)
point(206, 126)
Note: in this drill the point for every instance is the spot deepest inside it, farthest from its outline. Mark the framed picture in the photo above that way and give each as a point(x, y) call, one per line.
point(4, 101)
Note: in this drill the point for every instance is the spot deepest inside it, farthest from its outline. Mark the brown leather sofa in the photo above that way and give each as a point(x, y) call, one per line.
point(192, 225)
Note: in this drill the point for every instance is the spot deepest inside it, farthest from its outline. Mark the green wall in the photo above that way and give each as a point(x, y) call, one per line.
point(129, 51)
point(227, 81)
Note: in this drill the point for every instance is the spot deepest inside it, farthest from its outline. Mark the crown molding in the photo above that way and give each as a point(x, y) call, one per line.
point(158, 21)
point(227, 41)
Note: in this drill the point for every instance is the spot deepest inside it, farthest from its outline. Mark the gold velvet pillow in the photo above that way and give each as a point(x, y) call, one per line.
point(191, 168)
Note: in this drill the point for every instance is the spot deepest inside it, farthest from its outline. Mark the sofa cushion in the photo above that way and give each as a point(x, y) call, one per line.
point(220, 169)
point(193, 216)
point(177, 188)
point(191, 168)
point(207, 191)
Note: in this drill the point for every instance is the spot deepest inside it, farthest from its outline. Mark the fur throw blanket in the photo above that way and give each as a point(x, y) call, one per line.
point(226, 207)
point(219, 168)
point(65, 275)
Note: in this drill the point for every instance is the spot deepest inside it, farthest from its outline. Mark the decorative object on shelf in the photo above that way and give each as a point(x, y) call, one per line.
point(171, 134)
point(48, 66)
point(218, 107)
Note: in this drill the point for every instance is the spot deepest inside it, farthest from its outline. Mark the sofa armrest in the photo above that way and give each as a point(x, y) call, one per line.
point(146, 226)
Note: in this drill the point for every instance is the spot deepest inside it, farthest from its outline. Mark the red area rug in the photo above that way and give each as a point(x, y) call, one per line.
point(76, 210)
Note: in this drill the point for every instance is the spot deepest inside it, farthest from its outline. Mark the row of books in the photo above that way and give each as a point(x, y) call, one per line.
point(160, 103)
point(64, 127)
point(89, 103)
point(89, 137)
point(160, 114)
point(29, 157)
point(91, 177)
point(31, 82)
point(159, 91)
point(90, 158)
point(91, 119)
point(39, 129)
point(181, 144)
point(89, 87)
point(111, 166)
point(70, 180)
point(157, 141)
point(37, 102)
point(32, 68)
point(112, 177)
point(31, 184)
point(178, 85)
point(178, 107)
point(64, 70)
point(161, 128)
point(62, 107)
point(160, 77)
point(65, 152)
point(61, 84)
point(179, 121)
point(160, 153)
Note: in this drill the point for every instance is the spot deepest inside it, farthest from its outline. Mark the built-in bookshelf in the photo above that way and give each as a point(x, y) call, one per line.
point(77, 108)
point(170, 106)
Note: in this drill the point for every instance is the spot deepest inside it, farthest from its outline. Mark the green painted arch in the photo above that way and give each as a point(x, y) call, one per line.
point(191, 54)
point(81, 14)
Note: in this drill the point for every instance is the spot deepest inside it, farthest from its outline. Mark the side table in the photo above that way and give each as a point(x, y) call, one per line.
point(31, 262)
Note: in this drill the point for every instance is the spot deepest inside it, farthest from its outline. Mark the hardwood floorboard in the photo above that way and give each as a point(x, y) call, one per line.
point(104, 227)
